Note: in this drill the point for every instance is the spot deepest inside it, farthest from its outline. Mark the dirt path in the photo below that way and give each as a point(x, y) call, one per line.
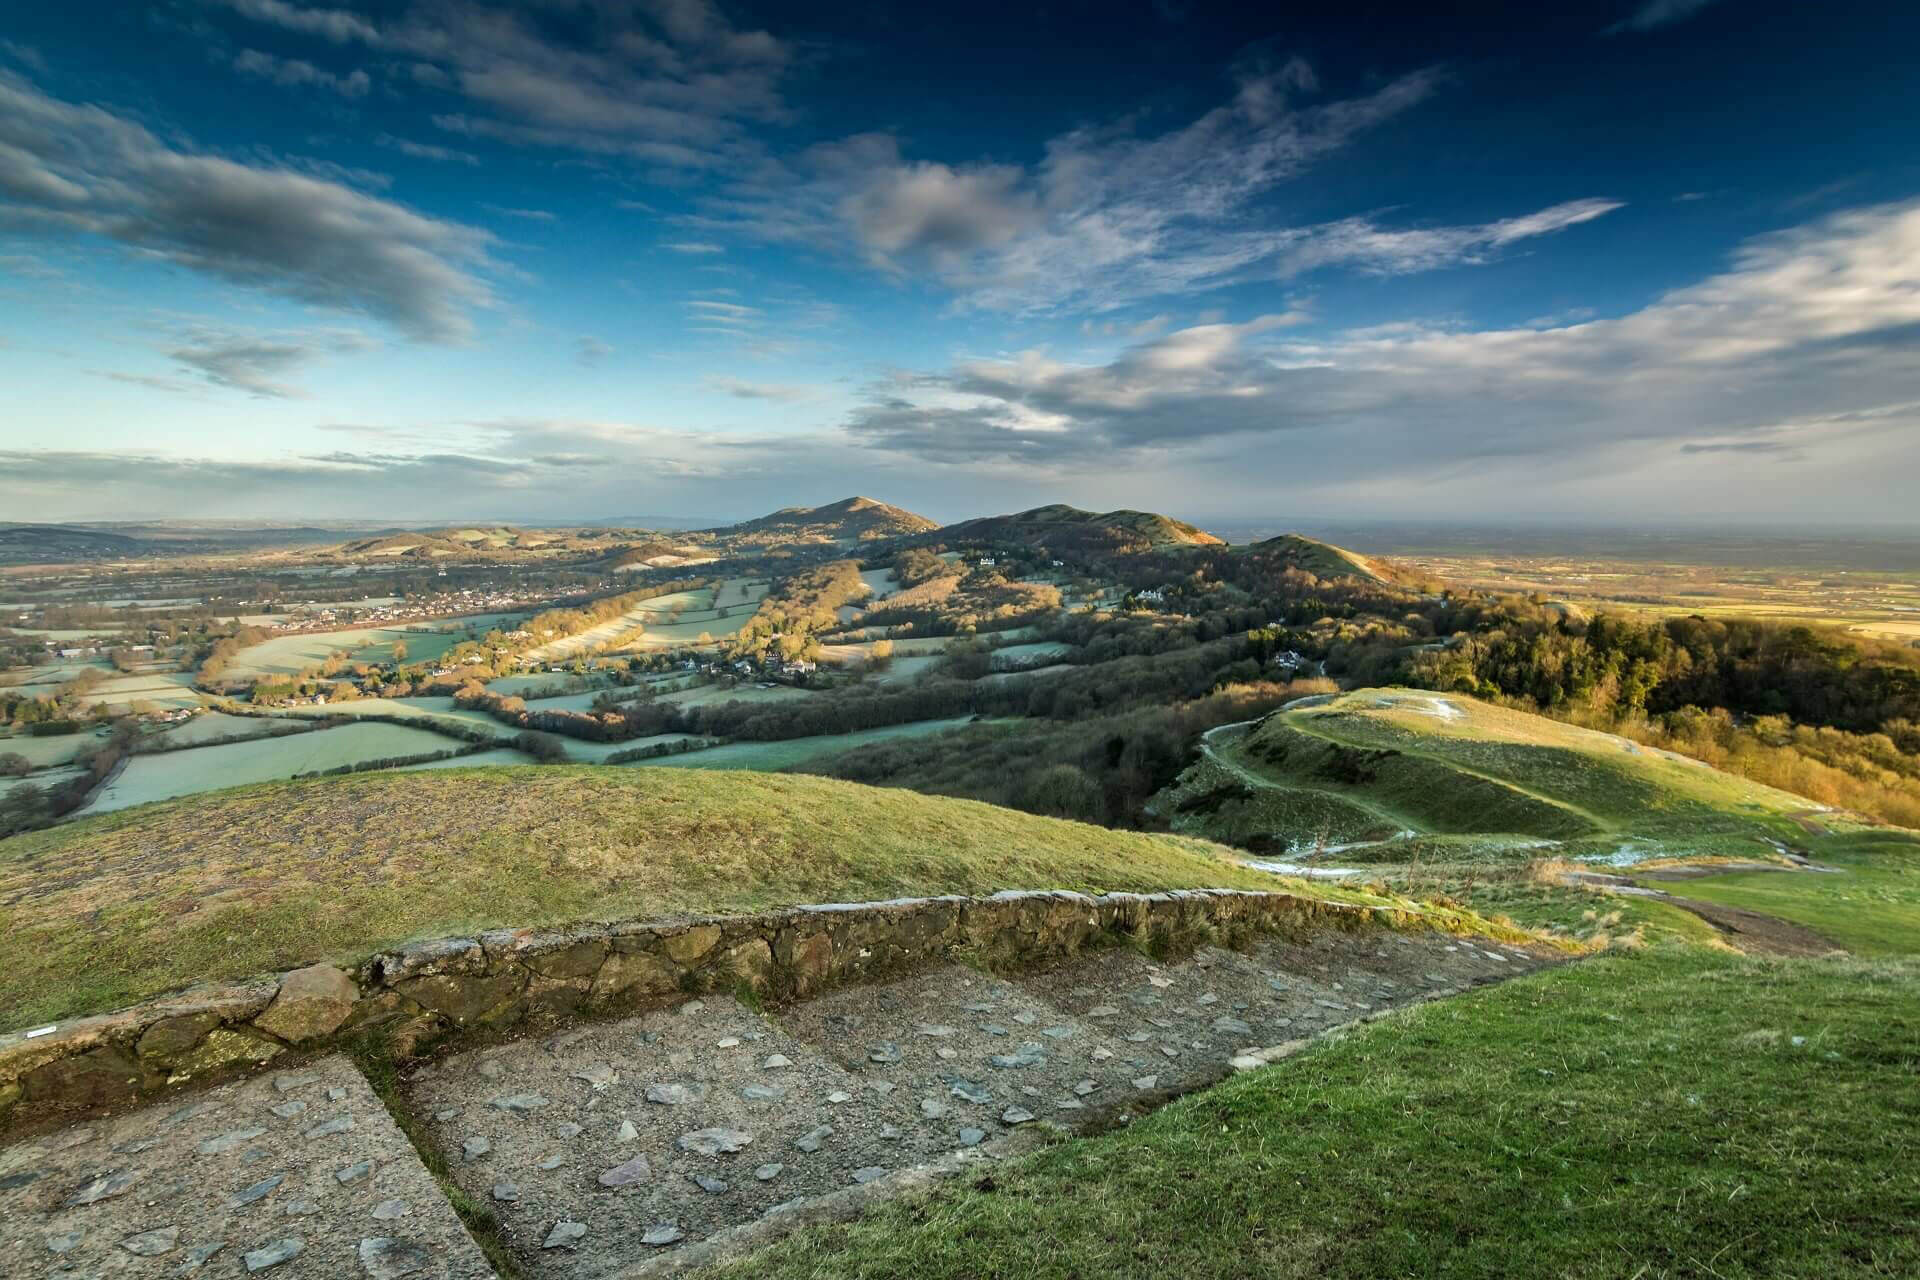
point(1750, 930)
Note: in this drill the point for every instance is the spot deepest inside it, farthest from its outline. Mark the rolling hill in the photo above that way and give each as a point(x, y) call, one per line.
point(1324, 560)
point(1380, 767)
point(1069, 531)
point(853, 519)
point(107, 910)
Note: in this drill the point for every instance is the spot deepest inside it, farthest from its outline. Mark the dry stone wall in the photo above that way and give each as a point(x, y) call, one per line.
point(415, 995)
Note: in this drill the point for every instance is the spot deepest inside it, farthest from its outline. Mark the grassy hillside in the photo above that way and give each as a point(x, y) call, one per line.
point(1377, 763)
point(103, 911)
point(1324, 560)
point(849, 519)
point(1070, 531)
point(1681, 1112)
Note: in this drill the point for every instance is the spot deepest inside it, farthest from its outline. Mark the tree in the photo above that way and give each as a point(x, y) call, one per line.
point(881, 655)
point(14, 765)
point(399, 651)
point(545, 748)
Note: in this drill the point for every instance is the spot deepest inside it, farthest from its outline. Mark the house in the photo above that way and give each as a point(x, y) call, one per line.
point(1153, 595)
point(987, 562)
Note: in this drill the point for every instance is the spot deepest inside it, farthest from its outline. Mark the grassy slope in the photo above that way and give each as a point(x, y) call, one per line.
point(1637, 1115)
point(99, 912)
point(1477, 769)
point(1872, 907)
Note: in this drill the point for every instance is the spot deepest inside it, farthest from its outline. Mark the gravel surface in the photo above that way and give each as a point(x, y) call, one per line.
point(297, 1173)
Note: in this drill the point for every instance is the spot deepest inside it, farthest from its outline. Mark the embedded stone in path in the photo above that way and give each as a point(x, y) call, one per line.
point(169, 1189)
point(387, 1258)
point(872, 1079)
point(714, 1142)
point(151, 1244)
point(273, 1253)
point(636, 1170)
point(565, 1235)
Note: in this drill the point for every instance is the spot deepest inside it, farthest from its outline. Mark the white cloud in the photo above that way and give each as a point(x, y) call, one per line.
point(66, 168)
point(1110, 218)
point(294, 72)
point(667, 81)
point(1809, 342)
point(1657, 13)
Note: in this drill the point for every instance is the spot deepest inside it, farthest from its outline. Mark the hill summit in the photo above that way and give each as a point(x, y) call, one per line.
point(1062, 528)
point(848, 519)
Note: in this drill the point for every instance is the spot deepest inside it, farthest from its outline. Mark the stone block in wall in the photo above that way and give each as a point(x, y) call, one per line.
point(634, 975)
point(466, 998)
point(311, 1003)
point(689, 946)
point(99, 1077)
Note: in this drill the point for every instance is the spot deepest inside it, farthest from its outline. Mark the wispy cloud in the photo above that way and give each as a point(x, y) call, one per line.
point(296, 73)
point(1809, 336)
point(671, 82)
point(1109, 217)
point(1653, 14)
point(783, 392)
point(83, 170)
point(427, 151)
point(589, 351)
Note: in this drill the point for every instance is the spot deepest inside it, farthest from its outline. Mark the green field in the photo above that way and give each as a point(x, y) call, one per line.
point(49, 752)
point(148, 778)
point(216, 726)
point(425, 641)
point(1675, 1113)
point(107, 910)
point(785, 754)
point(737, 600)
point(425, 710)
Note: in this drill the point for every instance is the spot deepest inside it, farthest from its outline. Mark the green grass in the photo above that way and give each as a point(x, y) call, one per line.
point(785, 753)
point(1870, 906)
point(100, 912)
point(1677, 1112)
point(1372, 762)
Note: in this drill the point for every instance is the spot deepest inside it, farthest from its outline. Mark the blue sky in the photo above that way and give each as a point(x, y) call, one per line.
point(585, 259)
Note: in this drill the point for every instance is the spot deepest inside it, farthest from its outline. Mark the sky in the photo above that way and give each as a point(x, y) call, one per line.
point(1593, 262)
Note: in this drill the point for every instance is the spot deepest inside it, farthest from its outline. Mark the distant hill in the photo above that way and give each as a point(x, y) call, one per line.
point(44, 543)
point(853, 519)
point(1066, 530)
point(1324, 560)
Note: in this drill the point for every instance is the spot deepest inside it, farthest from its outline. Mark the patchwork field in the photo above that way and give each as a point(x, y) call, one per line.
point(145, 779)
point(425, 641)
point(214, 726)
point(45, 753)
point(717, 611)
point(795, 751)
point(425, 710)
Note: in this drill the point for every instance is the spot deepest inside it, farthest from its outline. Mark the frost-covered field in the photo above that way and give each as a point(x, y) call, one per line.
point(188, 772)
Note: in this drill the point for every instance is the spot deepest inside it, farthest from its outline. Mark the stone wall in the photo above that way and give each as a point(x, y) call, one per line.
point(417, 994)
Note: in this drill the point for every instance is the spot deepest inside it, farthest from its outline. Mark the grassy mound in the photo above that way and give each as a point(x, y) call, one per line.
point(1374, 763)
point(108, 910)
point(1677, 1113)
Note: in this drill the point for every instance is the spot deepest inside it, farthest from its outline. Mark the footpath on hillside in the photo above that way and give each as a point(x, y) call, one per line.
point(653, 1143)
